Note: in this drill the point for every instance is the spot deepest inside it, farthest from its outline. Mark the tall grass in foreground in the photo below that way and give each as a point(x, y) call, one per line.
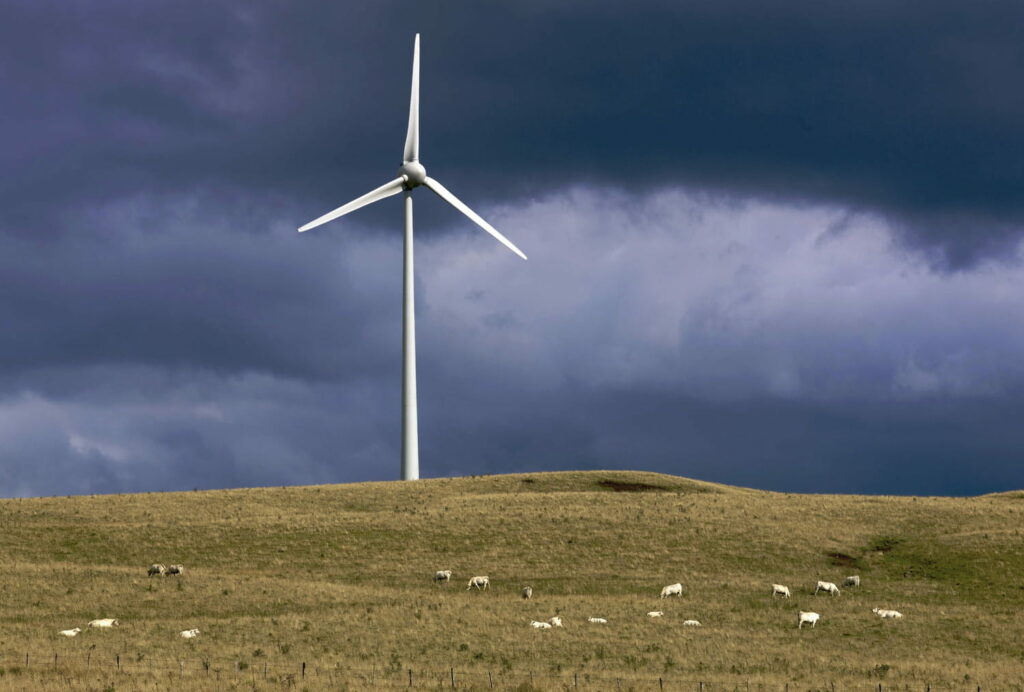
point(339, 577)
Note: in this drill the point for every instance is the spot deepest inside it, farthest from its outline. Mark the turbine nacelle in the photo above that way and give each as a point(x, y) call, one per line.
point(413, 173)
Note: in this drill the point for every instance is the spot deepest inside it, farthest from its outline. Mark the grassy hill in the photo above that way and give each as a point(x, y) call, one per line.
point(339, 577)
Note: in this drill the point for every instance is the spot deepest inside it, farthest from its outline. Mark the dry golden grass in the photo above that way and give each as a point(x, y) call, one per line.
point(339, 577)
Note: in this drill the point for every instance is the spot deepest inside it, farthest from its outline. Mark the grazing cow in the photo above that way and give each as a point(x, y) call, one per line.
point(555, 621)
point(885, 613)
point(780, 590)
point(443, 575)
point(852, 581)
point(826, 586)
point(598, 620)
point(71, 633)
point(156, 570)
point(808, 617)
point(540, 625)
point(105, 623)
point(479, 582)
point(672, 590)
point(527, 592)
point(175, 569)
point(189, 634)
point(655, 614)
point(691, 623)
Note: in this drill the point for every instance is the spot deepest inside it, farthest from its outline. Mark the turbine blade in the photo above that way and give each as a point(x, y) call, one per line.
point(392, 188)
point(412, 137)
point(451, 199)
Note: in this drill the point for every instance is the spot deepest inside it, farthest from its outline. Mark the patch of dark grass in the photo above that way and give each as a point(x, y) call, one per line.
point(838, 559)
point(632, 487)
point(884, 544)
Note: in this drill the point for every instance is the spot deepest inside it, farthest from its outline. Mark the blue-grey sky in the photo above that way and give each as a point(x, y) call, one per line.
point(775, 245)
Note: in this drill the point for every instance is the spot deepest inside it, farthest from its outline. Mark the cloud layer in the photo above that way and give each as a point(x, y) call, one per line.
point(771, 246)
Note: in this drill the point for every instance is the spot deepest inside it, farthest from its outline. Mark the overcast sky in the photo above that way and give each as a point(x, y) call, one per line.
point(776, 245)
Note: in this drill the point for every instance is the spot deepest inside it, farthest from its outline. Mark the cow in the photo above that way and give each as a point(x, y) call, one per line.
point(826, 586)
point(479, 582)
point(672, 590)
point(105, 623)
point(808, 617)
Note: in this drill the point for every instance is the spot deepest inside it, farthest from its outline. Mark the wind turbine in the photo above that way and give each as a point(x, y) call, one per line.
point(411, 175)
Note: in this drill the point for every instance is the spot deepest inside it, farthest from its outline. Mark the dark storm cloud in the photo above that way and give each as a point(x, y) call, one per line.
point(912, 109)
point(708, 193)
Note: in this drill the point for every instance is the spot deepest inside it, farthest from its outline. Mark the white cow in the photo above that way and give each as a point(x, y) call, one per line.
point(780, 590)
point(540, 625)
point(808, 617)
point(175, 569)
point(598, 620)
point(556, 621)
point(655, 614)
point(852, 581)
point(826, 586)
point(444, 575)
point(479, 582)
point(691, 623)
point(189, 634)
point(71, 633)
point(105, 623)
point(527, 592)
point(885, 613)
point(672, 590)
point(156, 570)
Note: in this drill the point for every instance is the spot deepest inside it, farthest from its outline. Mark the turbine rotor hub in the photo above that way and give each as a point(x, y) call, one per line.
point(414, 173)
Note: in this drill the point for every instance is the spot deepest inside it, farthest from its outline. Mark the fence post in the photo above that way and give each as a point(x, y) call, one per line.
point(264, 670)
point(661, 684)
point(118, 659)
point(55, 659)
point(303, 670)
point(410, 677)
point(490, 682)
point(26, 660)
point(701, 686)
point(88, 657)
point(452, 669)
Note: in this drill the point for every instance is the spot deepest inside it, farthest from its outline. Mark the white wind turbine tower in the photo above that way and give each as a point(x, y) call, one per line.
point(412, 174)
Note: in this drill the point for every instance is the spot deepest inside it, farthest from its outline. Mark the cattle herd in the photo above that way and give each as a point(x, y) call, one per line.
point(108, 623)
point(481, 583)
point(804, 617)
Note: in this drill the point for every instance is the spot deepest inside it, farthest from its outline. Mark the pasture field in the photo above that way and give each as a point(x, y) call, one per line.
point(339, 578)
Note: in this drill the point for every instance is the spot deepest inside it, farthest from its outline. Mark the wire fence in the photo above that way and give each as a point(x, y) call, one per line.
point(288, 673)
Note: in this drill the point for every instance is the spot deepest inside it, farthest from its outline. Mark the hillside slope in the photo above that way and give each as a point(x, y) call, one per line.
point(339, 577)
